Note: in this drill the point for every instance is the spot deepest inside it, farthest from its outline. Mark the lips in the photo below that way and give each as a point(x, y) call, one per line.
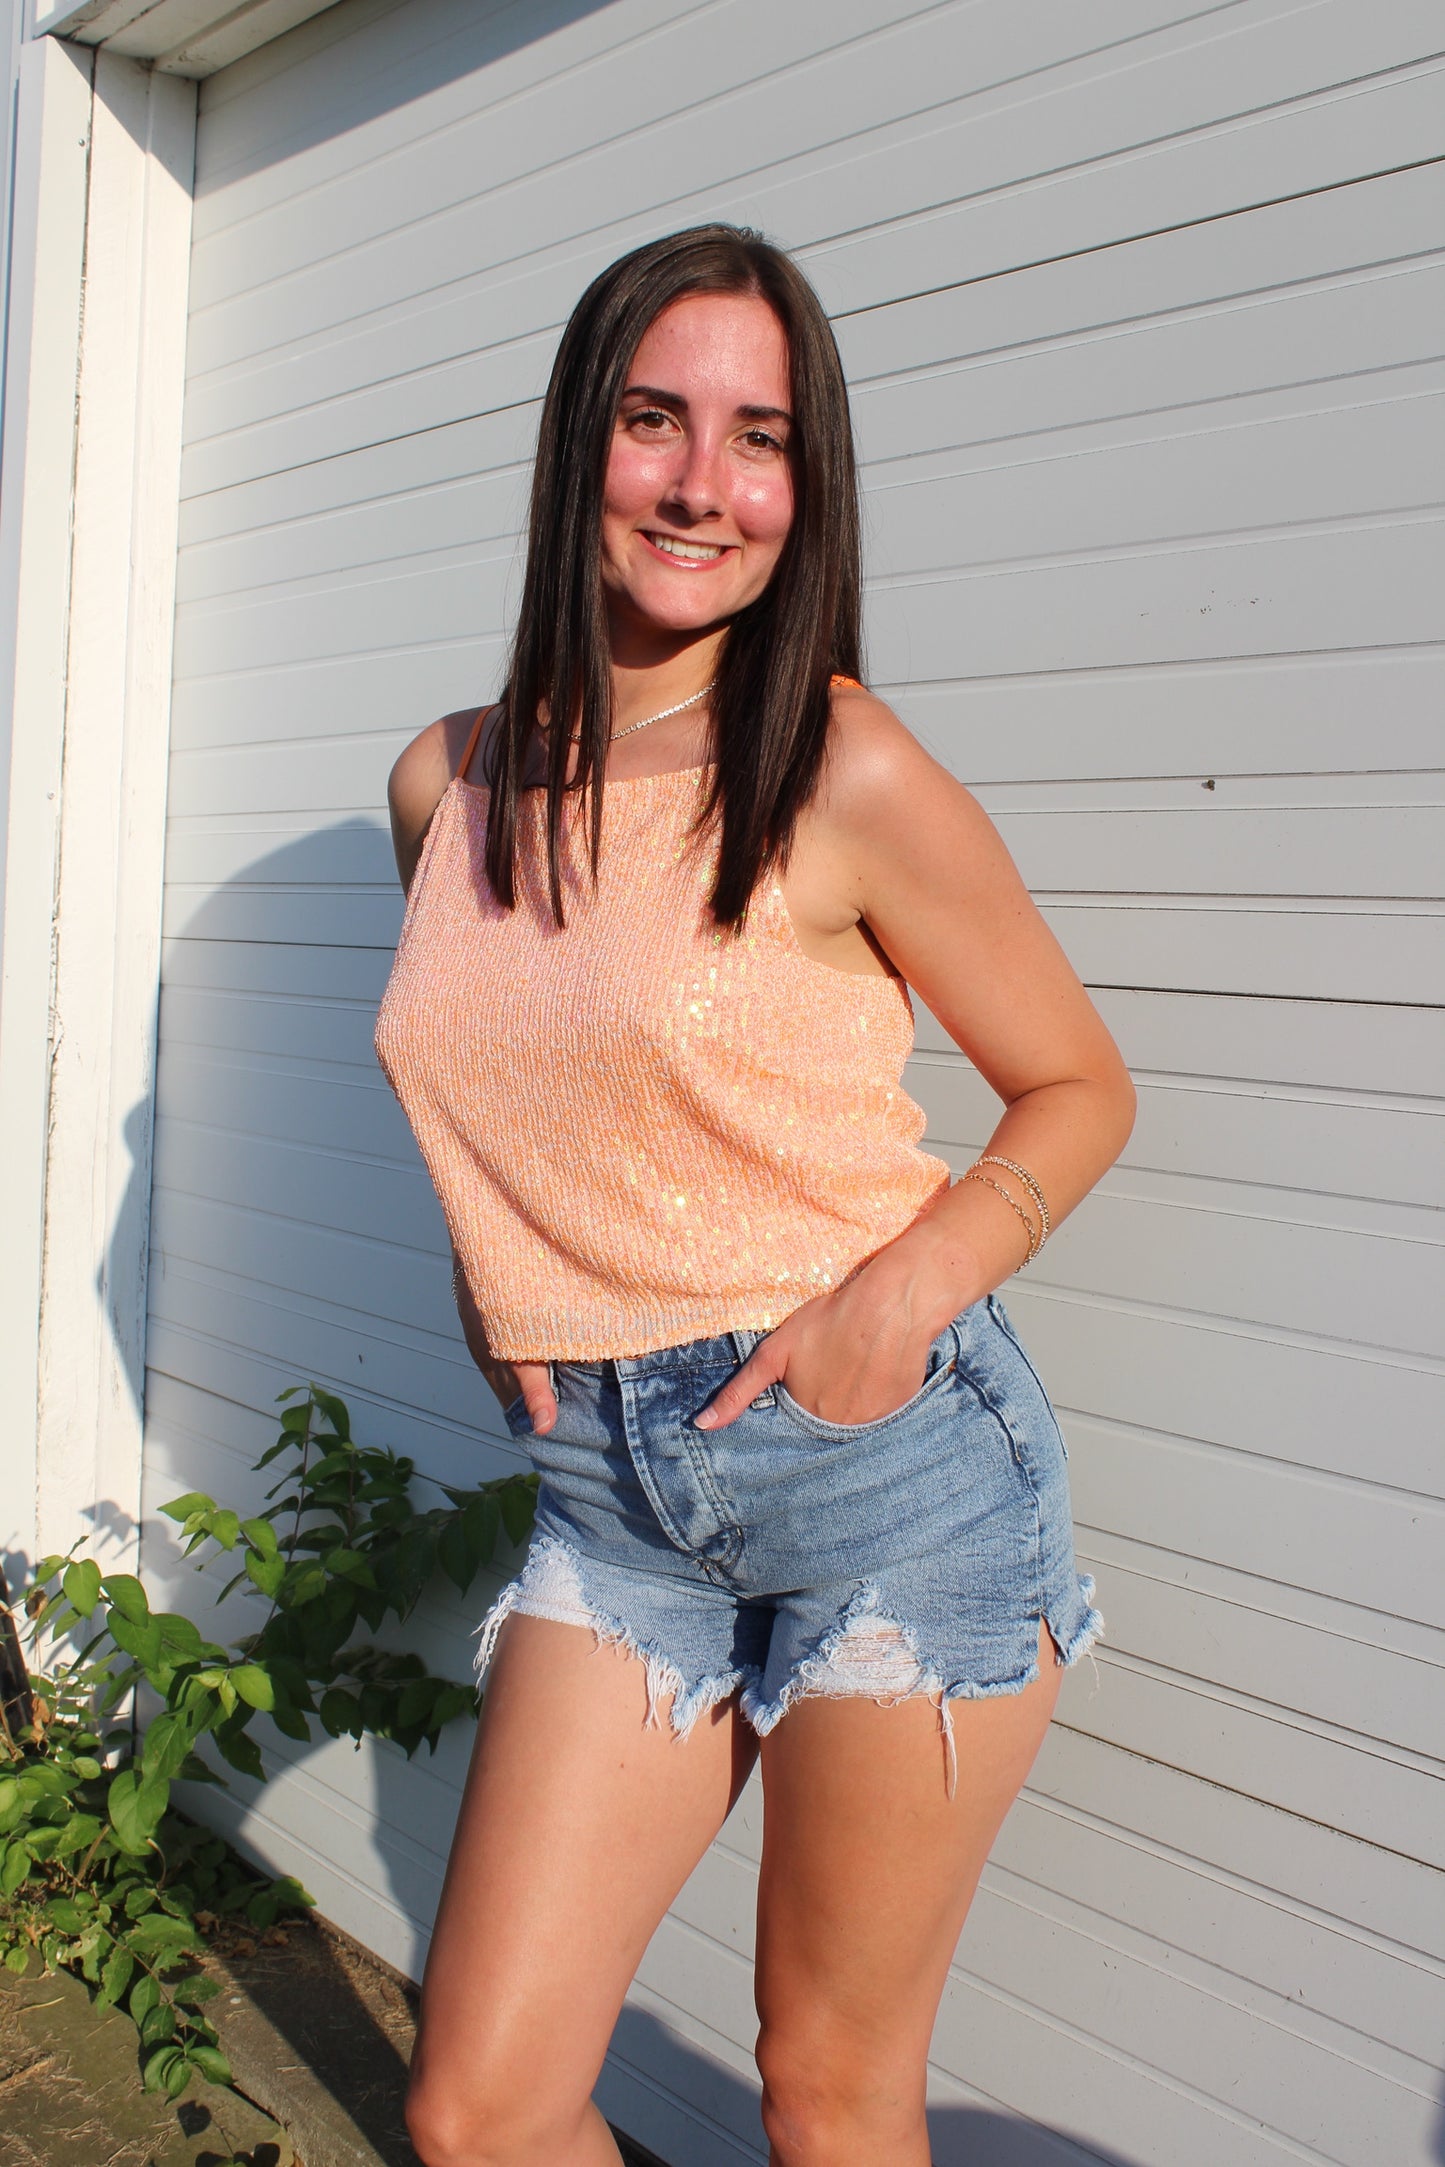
point(692, 554)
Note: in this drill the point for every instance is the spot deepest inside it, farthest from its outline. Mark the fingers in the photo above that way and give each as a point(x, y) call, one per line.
point(534, 1382)
point(764, 1366)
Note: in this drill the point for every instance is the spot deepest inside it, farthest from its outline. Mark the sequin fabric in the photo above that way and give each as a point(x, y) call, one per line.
point(642, 1130)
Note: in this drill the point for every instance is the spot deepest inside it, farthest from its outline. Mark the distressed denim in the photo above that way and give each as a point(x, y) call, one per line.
point(785, 1555)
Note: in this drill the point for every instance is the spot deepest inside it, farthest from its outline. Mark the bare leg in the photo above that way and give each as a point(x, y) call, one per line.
point(577, 1828)
point(868, 1871)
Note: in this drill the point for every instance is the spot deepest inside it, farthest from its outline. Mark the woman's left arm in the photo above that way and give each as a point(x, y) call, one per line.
point(930, 877)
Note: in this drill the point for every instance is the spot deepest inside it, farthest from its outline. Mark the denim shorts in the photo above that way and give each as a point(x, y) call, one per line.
point(784, 1555)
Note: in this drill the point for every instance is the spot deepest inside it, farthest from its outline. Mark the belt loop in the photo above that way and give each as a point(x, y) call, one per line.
point(744, 1340)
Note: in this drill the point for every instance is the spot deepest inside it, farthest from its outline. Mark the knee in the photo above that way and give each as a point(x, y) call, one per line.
point(473, 2122)
point(828, 2099)
point(448, 2128)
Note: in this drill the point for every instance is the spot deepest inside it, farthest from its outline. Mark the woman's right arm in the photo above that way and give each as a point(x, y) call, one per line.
point(418, 783)
point(416, 787)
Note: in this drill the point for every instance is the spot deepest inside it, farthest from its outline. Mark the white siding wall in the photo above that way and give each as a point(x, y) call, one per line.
point(1141, 302)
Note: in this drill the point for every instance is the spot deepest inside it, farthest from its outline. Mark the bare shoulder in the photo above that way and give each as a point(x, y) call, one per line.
point(423, 771)
point(419, 780)
point(883, 790)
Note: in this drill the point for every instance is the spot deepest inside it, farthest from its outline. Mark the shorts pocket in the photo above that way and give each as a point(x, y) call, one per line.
point(942, 1363)
point(1005, 1324)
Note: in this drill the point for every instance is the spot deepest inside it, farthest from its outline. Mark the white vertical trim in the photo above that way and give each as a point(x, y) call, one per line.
point(43, 355)
point(107, 962)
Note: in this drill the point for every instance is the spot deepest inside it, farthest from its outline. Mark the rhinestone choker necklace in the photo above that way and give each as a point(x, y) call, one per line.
point(691, 701)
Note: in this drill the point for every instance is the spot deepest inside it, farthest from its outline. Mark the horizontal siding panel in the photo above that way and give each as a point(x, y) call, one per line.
point(1392, 957)
point(1228, 1381)
point(1376, 1547)
point(1233, 1131)
point(1238, 1263)
point(1241, 467)
point(1197, 601)
point(1134, 1996)
point(1278, 1855)
point(1255, 1648)
point(1022, 182)
point(1212, 849)
point(1388, 956)
point(1272, 716)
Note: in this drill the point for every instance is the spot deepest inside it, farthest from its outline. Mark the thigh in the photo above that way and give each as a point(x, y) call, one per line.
point(869, 1866)
point(578, 1826)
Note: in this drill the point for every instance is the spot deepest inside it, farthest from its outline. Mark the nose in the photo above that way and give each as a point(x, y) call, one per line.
point(695, 486)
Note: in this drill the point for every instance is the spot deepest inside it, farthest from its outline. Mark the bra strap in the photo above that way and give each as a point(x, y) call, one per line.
point(472, 741)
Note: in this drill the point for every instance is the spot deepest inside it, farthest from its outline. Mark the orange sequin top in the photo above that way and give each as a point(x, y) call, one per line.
point(642, 1130)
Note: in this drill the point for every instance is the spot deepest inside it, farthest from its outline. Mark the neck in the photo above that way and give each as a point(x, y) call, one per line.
point(645, 683)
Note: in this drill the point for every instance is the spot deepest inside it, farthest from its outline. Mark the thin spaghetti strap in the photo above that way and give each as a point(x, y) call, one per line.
point(471, 744)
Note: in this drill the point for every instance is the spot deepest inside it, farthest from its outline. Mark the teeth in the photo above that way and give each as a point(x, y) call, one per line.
point(702, 551)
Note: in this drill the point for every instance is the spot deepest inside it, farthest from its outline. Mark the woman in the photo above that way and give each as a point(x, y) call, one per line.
point(802, 1495)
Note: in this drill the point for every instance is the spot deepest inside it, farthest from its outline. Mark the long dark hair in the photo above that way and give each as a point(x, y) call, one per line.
point(770, 710)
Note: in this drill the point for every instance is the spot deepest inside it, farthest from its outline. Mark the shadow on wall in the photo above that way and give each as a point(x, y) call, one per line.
point(236, 996)
point(961, 2136)
point(330, 93)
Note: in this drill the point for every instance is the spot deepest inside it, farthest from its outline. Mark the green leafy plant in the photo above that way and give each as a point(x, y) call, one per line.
point(98, 1873)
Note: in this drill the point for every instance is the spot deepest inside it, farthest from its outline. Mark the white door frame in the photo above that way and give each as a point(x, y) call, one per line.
point(88, 538)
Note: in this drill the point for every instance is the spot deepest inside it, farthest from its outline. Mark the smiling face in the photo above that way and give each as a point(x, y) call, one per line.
point(698, 498)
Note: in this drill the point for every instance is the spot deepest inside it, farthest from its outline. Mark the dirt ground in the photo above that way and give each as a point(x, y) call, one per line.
point(319, 2035)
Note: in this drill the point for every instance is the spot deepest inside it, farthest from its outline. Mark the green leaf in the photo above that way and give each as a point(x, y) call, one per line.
point(260, 1532)
point(192, 1993)
point(79, 1831)
point(139, 1899)
point(115, 1977)
point(18, 1958)
point(177, 2077)
point(226, 1527)
point(254, 1686)
point(167, 1742)
point(181, 1508)
point(518, 1511)
point(241, 1751)
point(60, 1912)
point(334, 1410)
point(16, 1868)
point(304, 1583)
point(481, 1524)
point(86, 1768)
point(291, 1895)
point(267, 1573)
point(159, 2024)
point(456, 1556)
point(143, 1997)
point(457, 1700)
point(155, 2069)
point(141, 1642)
point(135, 1806)
point(210, 2061)
point(158, 1930)
point(81, 1582)
point(340, 1713)
point(128, 1596)
point(179, 1636)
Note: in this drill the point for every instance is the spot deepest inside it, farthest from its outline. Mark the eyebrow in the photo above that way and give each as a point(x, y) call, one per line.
point(675, 398)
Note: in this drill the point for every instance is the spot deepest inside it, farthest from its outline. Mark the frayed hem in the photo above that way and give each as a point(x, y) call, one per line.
point(550, 1587)
point(823, 1675)
point(884, 1654)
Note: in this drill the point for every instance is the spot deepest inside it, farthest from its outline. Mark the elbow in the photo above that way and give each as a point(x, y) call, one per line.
point(1123, 1105)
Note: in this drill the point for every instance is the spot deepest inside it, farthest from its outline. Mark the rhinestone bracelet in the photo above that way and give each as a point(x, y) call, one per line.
point(992, 1158)
point(1035, 1240)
